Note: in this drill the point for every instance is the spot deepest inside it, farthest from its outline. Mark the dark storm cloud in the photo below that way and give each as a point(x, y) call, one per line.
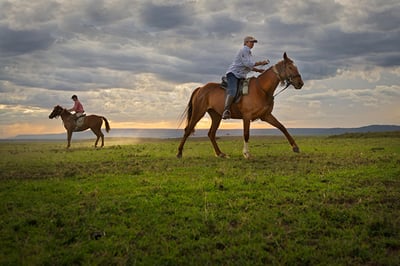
point(334, 49)
point(97, 12)
point(165, 16)
point(387, 60)
point(323, 39)
point(338, 44)
point(15, 42)
point(190, 41)
point(223, 26)
point(384, 17)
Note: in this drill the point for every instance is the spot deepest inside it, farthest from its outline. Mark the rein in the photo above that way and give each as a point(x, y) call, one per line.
point(288, 83)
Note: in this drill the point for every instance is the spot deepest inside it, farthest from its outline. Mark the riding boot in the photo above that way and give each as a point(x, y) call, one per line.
point(228, 102)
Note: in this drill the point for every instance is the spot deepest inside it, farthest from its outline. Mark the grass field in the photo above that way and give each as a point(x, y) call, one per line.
point(135, 203)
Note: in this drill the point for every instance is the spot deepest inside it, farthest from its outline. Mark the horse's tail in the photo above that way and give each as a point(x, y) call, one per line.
point(189, 109)
point(107, 124)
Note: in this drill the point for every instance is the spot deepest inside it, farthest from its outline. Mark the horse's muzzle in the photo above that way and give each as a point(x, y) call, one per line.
point(298, 84)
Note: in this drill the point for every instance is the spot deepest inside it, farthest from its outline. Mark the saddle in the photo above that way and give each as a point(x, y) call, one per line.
point(242, 89)
point(79, 122)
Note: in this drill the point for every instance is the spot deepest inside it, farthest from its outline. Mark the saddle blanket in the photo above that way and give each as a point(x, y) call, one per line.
point(79, 123)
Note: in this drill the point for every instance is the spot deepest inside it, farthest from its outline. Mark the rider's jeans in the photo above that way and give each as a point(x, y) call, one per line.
point(232, 84)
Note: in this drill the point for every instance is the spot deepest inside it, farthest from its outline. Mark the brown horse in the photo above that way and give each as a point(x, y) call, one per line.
point(94, 122)
point(257, 104)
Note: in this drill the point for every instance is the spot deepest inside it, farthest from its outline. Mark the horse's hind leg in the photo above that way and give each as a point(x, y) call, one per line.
point(102, 139)
point(99, 135)
point(216, 121)
point(188, 131)
point(273, 121)
point(97, 140)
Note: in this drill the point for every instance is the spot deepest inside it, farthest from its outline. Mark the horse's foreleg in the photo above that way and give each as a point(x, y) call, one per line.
point(273, 121)
point(216, 121)
point(69, 136)
point(246, 136)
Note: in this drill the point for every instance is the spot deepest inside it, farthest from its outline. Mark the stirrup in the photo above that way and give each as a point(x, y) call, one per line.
point(226, 114)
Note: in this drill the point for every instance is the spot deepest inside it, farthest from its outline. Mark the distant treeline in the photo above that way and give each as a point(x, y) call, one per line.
point(389, 134)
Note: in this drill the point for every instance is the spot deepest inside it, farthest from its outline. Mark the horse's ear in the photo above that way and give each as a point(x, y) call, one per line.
point(285, 56)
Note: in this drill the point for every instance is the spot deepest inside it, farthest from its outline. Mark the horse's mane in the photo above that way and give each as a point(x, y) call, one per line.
point(62, 110)
point(277, 69)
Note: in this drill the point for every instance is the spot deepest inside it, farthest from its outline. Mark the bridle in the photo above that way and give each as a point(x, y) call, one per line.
point(288, 80)
point(59, 111)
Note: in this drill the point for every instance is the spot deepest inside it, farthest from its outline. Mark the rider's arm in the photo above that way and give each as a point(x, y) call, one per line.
point(257, 70)
point(261, 63)
point(73, 108)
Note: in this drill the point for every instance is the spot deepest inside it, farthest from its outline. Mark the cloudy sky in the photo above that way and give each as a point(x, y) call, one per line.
point(137, 61)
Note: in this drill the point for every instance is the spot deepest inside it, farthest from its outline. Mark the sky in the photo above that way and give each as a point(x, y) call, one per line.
point(136, 62)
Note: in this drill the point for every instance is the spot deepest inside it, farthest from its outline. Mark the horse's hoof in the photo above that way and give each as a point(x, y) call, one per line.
point(296, 149)
point(179, 155)
point(222, 155)
point(246, 155)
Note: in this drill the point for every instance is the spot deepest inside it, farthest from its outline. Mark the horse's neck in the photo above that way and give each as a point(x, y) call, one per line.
point(268, 81)
point(65, 115)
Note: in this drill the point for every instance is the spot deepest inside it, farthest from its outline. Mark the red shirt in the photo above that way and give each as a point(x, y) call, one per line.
point(78, 107)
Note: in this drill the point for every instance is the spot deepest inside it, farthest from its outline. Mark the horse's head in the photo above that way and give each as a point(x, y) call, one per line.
point(56, 112)
point(288, 72)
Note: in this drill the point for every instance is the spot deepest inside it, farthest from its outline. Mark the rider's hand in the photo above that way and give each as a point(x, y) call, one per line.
point(261, 63)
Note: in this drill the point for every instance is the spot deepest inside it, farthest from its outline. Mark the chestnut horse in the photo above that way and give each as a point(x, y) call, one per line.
point(257, 104)
point(94, 122)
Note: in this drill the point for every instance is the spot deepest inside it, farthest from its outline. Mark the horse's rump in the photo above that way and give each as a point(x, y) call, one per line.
point(91, 121)
point(210, 96)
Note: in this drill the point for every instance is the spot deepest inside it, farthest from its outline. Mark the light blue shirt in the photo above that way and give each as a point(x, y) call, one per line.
point(242, 64)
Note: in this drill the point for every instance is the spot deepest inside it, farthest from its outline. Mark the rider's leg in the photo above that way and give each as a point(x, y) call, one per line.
point(228, 101)
point(77, 115)
point(230, 94)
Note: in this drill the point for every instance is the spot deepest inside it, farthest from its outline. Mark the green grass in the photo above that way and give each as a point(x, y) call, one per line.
point(335, 203)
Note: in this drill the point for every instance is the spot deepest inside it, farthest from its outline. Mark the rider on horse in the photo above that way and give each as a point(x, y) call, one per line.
point(77, 108)
point(241, 66)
